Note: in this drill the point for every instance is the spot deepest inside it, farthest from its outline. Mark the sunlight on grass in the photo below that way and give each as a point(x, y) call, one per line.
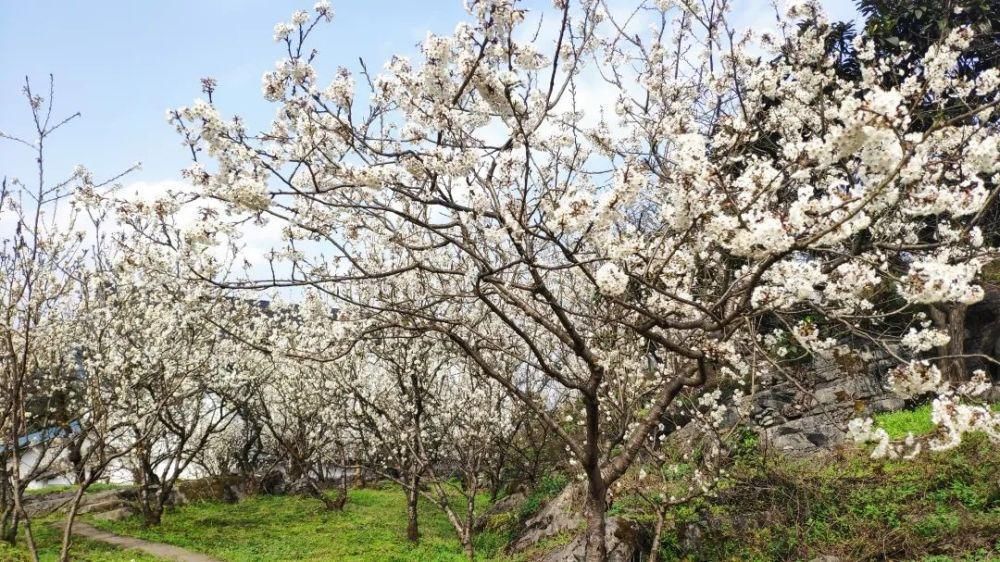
point(57, 488)
point(372, 527)
point(899, 423)
point(918, 421)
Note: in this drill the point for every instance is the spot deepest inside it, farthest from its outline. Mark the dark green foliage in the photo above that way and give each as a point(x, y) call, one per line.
point(922, 23)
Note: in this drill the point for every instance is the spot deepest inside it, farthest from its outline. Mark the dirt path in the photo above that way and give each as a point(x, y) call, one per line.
point(164, 551)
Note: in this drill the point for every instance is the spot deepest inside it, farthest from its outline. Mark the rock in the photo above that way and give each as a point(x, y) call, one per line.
point(692, 537)
point(115, 514)
point(273, 483)
point(89, 503)
point(992, 395)
point(825, 369)
point(42, 505)
point(229, 489)
point(812, 416)
point(622, 540)
point(561, 516)
point(110, 504)
point(501, 513)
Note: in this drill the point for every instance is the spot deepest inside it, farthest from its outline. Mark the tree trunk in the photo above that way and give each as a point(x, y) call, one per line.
point(8, 526)
point(597, 492)
point(470, 517)
point(29, 536)
point(152, 515)
point(594, 511)
point(412, 495)
point(151, 507)
point(8, 512)
point(956, 345)
point(341, 499)
point(470, 549)
point(951, 320)
point(75, 457)
point(67, 537)
point(149, 488)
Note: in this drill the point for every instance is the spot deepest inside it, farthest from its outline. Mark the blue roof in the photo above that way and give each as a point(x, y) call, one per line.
point(44, 435)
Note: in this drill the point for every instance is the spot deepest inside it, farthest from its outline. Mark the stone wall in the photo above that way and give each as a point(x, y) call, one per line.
point(811, 413)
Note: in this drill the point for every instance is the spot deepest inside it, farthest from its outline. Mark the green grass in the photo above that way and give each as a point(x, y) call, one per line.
point(372, 527)
point(899, 423)
point(57, 488)
point(48, 537)
point(917, 421)
point(940, 506)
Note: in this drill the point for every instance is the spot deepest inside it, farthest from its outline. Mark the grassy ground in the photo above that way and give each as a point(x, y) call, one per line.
point(48, 537)
point(372, 527)
point(56, 488)
point(940, 506)
point(898, 424)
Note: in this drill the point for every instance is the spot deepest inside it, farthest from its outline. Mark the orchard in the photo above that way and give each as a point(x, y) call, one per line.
point(551, 241)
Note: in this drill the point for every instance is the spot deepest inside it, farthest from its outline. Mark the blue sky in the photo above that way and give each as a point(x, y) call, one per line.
point(123, 63)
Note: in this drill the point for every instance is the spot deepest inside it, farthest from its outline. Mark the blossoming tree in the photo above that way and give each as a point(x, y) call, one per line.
point(426, 421)
point(300, 401)
point(588, 193)
point(48, 245)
